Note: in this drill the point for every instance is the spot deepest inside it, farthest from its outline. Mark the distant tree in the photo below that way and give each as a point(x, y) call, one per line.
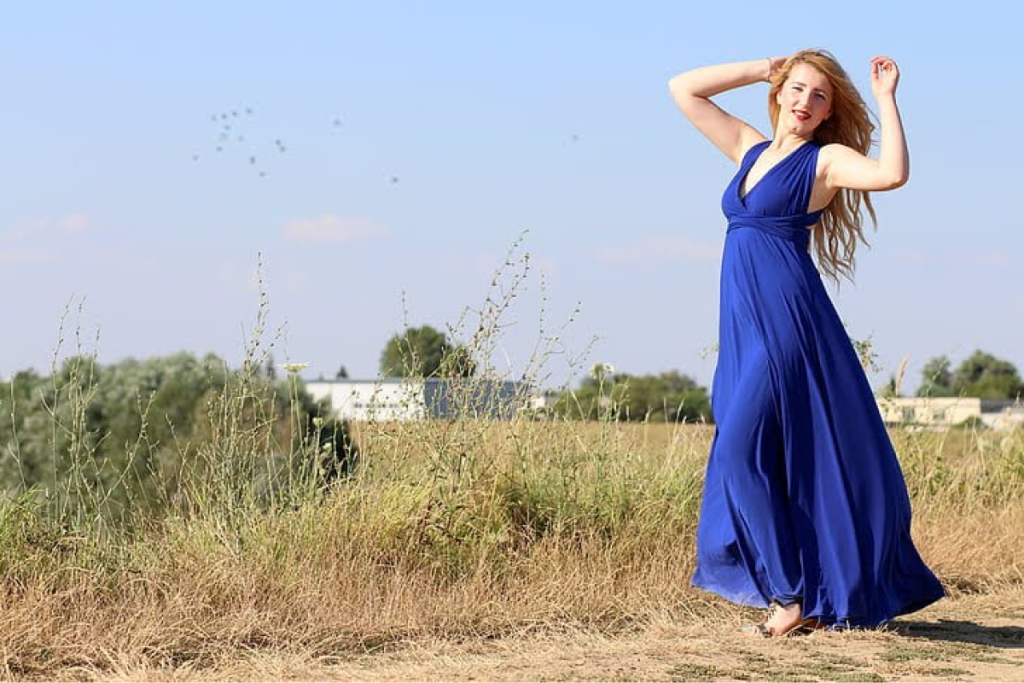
point(125, 430)
point(342, 373)
point(985, 376)
point(936, 378)
point(425, 352)
point(667, 397)
point(980, 375)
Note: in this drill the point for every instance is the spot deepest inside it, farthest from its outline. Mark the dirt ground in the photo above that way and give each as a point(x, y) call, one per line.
point(970, 638)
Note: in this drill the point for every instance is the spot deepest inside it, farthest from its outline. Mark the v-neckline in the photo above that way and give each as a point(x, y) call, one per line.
point(743, 178)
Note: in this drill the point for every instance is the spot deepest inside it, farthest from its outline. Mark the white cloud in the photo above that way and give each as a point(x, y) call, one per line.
point(50, 228)
point(42, 240)
point(331, 229)
point(661, 248)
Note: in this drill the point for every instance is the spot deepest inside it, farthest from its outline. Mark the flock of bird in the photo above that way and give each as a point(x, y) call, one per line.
point(230, 138)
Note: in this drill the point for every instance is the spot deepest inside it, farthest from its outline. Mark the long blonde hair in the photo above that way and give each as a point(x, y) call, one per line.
point(840, 228)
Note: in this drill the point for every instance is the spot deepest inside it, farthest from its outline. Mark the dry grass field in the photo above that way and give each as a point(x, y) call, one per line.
point(474, 550)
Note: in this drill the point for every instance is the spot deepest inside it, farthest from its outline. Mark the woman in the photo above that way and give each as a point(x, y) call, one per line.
point(805, 510)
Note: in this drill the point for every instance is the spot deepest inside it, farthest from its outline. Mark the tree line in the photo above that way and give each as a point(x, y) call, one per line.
point(135, 429)
point(130, 428)
point(669, 396)
point(980, 375)
point(673, 396)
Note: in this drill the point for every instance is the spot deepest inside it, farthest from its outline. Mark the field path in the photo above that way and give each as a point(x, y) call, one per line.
point(970, 638)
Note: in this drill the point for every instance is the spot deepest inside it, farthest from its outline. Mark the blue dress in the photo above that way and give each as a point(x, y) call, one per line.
point(804, 498)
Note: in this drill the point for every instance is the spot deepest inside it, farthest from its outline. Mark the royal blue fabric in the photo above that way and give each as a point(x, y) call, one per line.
point(804, 497)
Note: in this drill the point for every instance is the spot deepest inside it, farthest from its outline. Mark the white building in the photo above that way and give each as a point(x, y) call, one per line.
point(946, 412)
point(546, 400)
point(391, 399)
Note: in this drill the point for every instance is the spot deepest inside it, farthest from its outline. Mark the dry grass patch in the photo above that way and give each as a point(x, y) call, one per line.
point(490, 545)
point(957, 639)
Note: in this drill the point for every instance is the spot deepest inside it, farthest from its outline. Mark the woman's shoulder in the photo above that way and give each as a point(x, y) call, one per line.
point(830, 150)
point(757, 144)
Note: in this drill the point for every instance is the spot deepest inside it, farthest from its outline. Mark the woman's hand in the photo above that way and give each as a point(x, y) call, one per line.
point(884, 77)
point(774, 65)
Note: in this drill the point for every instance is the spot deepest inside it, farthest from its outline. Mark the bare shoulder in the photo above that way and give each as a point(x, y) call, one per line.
point(751, 138)
point(833, 152)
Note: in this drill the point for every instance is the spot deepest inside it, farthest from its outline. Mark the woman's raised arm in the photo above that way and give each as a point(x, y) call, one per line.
point(848, 168)
point(693, 89)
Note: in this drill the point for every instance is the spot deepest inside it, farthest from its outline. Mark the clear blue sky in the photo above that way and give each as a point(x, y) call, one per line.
point(401, 148)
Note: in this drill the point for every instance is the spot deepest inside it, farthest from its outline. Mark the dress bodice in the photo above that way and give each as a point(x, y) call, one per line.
point(778, 202)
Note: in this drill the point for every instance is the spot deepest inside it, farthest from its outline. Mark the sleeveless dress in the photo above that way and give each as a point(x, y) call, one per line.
point(804, 498)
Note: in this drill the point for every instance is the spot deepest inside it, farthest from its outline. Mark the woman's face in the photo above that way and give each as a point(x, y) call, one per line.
point(805, 100)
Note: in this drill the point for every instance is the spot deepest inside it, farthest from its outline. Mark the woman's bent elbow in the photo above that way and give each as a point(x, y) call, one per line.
point(677, 86)
point(682, 96)
point(897, 181)
point(882, 181)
